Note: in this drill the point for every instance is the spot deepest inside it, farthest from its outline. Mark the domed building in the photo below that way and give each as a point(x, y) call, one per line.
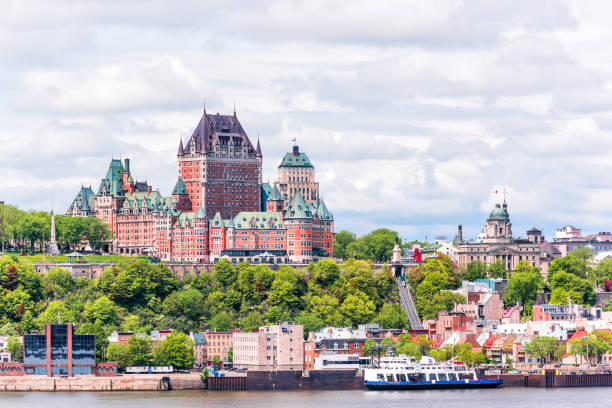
point(497, 243)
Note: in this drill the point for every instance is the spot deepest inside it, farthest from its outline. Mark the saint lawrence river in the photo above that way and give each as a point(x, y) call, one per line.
point(503, 397)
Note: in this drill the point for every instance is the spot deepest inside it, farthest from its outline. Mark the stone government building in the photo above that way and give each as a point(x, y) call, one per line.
point(219, 207)
point(496, 242)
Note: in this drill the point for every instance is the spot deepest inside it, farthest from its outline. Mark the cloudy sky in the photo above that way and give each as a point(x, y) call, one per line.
point(412, 111)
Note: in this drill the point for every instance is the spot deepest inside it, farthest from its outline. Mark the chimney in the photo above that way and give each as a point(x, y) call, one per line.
point(459, 234)
point(126, 165)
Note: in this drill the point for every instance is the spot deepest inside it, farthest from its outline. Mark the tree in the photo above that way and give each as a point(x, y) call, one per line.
point(497, 270)
point(102, 310)
point(368, 347)
point(358, 309)
point(310, 321)
point(476, 270)
point(251, 322)
point(392, 316)
point(225, 273)
point(324, 273)
point(543, 348)
point(140, 351)
point(56, 309)
point(14, 346)
point(564, 285)
point(230, 354)
point(216, 360)
point(326, 308)
point(221, 322)
point(584, 253)
point(27, 324)
point(177, 351)
point(524, 285)
point(570, 264)
point(342, 240)
point(59, 282)
point(120, 353)
point(97, 233)
point(188, 302)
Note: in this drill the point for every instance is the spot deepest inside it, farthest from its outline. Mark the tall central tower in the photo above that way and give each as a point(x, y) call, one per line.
point(220, 167)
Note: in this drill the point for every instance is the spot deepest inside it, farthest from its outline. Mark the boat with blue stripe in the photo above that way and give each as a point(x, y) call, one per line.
point(403, 373)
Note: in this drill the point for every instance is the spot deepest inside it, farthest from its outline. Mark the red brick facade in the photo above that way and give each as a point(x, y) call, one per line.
point(218, 207)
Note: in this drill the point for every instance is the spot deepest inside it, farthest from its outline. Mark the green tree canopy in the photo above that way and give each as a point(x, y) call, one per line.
point(120, 353)
point(140, 352)
point(524, 285)
point(177, 351)
point(342, 240)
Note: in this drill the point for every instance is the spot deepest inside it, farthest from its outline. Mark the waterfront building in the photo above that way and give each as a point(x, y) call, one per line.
point(499, 244)
point(332, 361)
point(200, 349)
point(59, 352)
point(219, 207)
point(217, 343)
point(275, 347)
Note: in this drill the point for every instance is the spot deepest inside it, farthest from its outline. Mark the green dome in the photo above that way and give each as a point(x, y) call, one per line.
point(498, 213)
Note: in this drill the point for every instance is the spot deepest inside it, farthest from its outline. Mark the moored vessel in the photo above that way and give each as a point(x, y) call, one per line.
point(403, 373)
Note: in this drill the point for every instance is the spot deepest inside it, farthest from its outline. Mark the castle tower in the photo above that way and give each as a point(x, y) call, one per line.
point(297, 174)
point(220, 167)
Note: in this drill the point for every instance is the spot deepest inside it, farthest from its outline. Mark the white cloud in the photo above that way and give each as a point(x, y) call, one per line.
point(412, 111)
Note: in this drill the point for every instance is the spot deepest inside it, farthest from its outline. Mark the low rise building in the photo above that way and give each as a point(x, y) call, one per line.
point(218, 343)
point(332, 361)
point(200, 349)
point(275, 347)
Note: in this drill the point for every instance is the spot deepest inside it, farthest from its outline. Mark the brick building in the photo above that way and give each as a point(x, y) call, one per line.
point(219, 206)
point(276, 347)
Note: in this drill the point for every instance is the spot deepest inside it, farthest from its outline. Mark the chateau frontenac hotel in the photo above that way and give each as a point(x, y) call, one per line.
point(219, 207)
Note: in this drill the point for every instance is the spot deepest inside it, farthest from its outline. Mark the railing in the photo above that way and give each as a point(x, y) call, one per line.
point(408, 305)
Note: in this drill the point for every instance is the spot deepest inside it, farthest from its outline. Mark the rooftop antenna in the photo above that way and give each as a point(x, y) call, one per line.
point(234, 107)
point(205, 105)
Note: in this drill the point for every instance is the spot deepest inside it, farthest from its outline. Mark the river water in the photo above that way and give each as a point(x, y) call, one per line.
point(503, 397)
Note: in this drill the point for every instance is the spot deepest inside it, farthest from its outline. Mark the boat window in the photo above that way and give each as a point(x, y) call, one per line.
point(465, 376)
point(380, 377)
point(390, 377)
point(401, 377)
point(452, 377)
point(442, 377)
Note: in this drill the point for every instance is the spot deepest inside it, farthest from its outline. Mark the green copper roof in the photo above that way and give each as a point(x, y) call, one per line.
point(84, 199)
point(498, 213)
point(276, 195)
point(297, 207)
point(322, 211)
point(200, 213)
point(179, 188)
point(296, 159)
point(258, 220)
point(113, 182)
point(266, 192)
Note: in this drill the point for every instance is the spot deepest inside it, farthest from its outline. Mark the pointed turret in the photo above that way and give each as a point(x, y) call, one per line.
point(258, 149)
point(179, 188)
point(200, 213)
point(180, 149)
point(297, 207)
